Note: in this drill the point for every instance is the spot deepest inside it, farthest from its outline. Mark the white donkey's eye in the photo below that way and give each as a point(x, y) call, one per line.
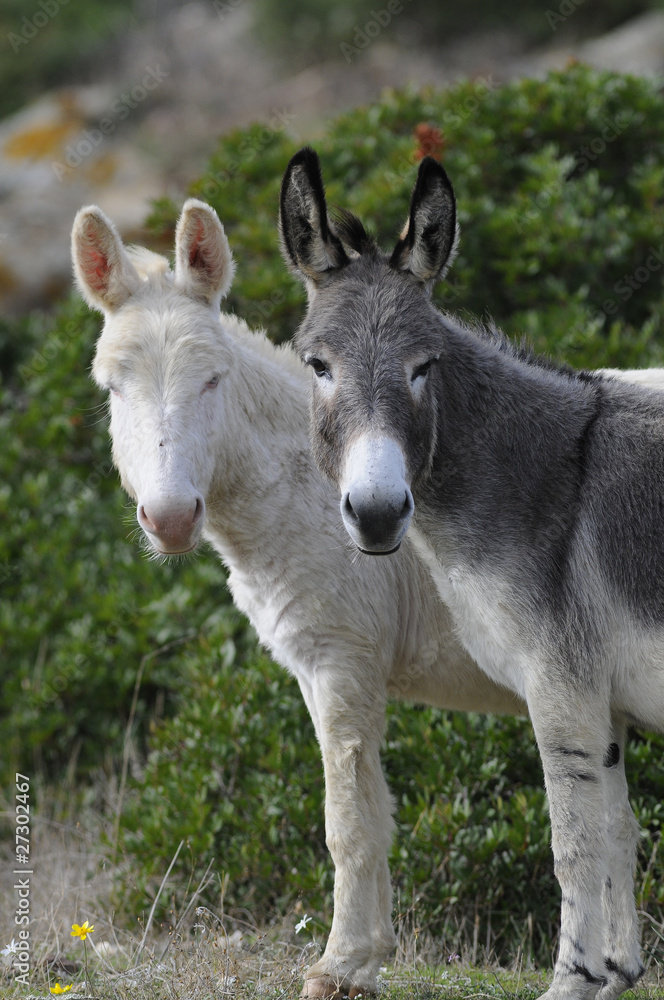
point(213, 382)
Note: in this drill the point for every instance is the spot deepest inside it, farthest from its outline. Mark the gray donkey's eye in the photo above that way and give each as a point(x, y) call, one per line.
point(422, 369)
point(320, 368)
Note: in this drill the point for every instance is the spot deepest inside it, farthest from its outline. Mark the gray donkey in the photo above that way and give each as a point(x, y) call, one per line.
point(534, 493)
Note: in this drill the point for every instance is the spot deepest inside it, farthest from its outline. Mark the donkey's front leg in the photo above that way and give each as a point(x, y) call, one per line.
point(622, 957)
point(358, 826)
point(572, 729)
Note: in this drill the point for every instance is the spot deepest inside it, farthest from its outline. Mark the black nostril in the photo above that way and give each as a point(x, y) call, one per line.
point(375, 509)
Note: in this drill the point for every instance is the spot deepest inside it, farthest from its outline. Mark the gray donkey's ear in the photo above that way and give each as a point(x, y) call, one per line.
point(429, 241)
point(309, 242)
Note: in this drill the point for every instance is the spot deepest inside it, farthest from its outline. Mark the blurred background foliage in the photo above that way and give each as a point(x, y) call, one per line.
point(304, 30)
point(71, 42)
point(559, 185)
point(59, 42)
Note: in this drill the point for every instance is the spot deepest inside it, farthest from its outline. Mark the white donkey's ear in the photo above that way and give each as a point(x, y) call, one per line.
point(429, 241)
point(204, 266)
point(104, 273)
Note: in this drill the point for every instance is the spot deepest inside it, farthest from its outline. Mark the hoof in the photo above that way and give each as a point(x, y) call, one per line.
point(324, 988)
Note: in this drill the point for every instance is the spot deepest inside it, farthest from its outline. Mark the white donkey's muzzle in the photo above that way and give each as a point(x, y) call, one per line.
point(172, 524)
point(376, 501)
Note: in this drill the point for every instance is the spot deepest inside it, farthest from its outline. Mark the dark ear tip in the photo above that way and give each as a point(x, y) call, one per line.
point(431, 170)
point(306, 156)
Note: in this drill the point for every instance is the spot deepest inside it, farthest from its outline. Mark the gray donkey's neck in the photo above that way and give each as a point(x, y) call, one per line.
point(510, 451)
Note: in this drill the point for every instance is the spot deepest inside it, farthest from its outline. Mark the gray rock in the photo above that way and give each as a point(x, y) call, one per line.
point(192, 75)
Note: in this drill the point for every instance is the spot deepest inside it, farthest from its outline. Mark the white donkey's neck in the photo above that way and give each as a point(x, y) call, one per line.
point(270, 515)
point(264, 467)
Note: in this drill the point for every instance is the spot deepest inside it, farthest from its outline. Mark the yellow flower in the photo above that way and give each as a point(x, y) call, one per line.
point(81, 931)
point(57, 989)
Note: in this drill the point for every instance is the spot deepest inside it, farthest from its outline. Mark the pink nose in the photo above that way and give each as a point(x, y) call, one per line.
point(174, 526)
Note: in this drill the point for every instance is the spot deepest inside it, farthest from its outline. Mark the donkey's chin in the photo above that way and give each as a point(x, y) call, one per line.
point(160, 549)
point(380, 552)
point(174, 552)
point(376, 544)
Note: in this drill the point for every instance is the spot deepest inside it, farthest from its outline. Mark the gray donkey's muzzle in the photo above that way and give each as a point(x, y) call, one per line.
point(376, 501)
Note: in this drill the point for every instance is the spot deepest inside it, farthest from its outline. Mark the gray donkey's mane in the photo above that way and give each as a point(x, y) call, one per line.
point(521, 350)
point(352, 233)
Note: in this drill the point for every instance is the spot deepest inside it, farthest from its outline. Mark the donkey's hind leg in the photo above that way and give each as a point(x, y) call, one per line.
point(572, 727)
point(358, 824)
point(621, 945)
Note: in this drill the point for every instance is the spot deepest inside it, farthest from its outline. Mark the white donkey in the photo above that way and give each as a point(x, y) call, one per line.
point(210, 434)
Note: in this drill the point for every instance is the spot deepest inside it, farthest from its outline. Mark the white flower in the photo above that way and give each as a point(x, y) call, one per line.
point(303, 923)
point(7, 952)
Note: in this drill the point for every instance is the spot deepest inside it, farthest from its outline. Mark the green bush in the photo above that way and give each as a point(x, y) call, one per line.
point(236, 775)
point(554, 217)
point(556, 245)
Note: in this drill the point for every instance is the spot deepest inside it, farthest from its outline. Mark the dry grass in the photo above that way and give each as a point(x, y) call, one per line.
point(196, 955)
point(203, 954)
